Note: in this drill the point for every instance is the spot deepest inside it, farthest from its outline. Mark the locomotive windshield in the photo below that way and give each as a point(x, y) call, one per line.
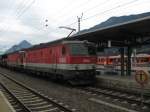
point(82, 49)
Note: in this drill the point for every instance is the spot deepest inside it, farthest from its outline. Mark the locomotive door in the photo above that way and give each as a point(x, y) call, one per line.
point(22, 58)
point(54, 59)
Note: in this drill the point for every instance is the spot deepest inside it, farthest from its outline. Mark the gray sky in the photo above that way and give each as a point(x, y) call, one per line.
point(25, 19)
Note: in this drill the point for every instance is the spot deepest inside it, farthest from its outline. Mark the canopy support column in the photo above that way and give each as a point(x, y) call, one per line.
point(122, 61)
point(129, 52)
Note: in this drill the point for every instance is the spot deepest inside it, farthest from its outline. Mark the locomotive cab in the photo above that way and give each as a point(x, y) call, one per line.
point(81, 60)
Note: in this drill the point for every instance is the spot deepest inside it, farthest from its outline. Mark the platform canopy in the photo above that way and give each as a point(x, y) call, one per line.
point(127, 33)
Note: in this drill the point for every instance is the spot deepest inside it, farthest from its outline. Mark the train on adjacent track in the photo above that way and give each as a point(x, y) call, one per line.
point(139, 59)
point(139, 62)
point(70, 60)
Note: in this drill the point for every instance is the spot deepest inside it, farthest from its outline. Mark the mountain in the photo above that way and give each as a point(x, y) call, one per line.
point(23, 44)
point(116, 20)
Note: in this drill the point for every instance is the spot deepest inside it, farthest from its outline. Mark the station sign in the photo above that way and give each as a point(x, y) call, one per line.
point(141, 77)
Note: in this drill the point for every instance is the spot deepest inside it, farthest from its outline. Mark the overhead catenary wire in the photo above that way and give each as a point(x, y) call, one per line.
point(9, 6)
point(69, 11)
point(98, 5)
point(18, 13)
point(21, 13)
point(21, 6)
point(23, 10)
point(108, 10)
point(17, 10)
point(26, 8)
point(118, 6)
point(69, 5)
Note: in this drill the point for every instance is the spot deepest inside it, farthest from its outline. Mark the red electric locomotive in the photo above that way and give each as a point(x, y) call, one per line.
point(73, 61)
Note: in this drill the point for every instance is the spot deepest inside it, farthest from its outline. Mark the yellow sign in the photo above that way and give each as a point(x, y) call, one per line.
point(141, 77)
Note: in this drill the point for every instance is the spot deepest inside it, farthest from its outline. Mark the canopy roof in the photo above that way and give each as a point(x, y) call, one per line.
point(122, 32)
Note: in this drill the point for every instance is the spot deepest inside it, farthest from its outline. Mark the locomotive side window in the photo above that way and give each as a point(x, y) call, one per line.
point(82, 49)
point(63, 50)
point(78, 49)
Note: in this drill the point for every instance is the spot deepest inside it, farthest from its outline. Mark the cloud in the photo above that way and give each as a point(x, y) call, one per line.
point(31, 24)
point(16, 26)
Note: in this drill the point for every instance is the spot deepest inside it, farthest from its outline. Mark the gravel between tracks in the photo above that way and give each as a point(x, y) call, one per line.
point(69, 96)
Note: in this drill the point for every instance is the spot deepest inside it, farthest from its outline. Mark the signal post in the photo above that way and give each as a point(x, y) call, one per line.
point(142, 78)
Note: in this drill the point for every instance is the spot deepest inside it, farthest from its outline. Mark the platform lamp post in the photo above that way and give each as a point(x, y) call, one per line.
point(68, 28)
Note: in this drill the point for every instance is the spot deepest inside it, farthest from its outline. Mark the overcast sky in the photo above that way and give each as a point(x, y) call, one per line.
point(25, 19)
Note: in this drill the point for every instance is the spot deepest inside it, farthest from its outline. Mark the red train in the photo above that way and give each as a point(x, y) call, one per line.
point(73, 61)
point(139, 59)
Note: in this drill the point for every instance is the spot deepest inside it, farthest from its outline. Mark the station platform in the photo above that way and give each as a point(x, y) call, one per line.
point(125, 83)
point(5, 106)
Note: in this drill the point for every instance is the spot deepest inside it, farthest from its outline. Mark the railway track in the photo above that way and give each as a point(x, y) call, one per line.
point(25, 99)
point(126, 99)
point(123, 97)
